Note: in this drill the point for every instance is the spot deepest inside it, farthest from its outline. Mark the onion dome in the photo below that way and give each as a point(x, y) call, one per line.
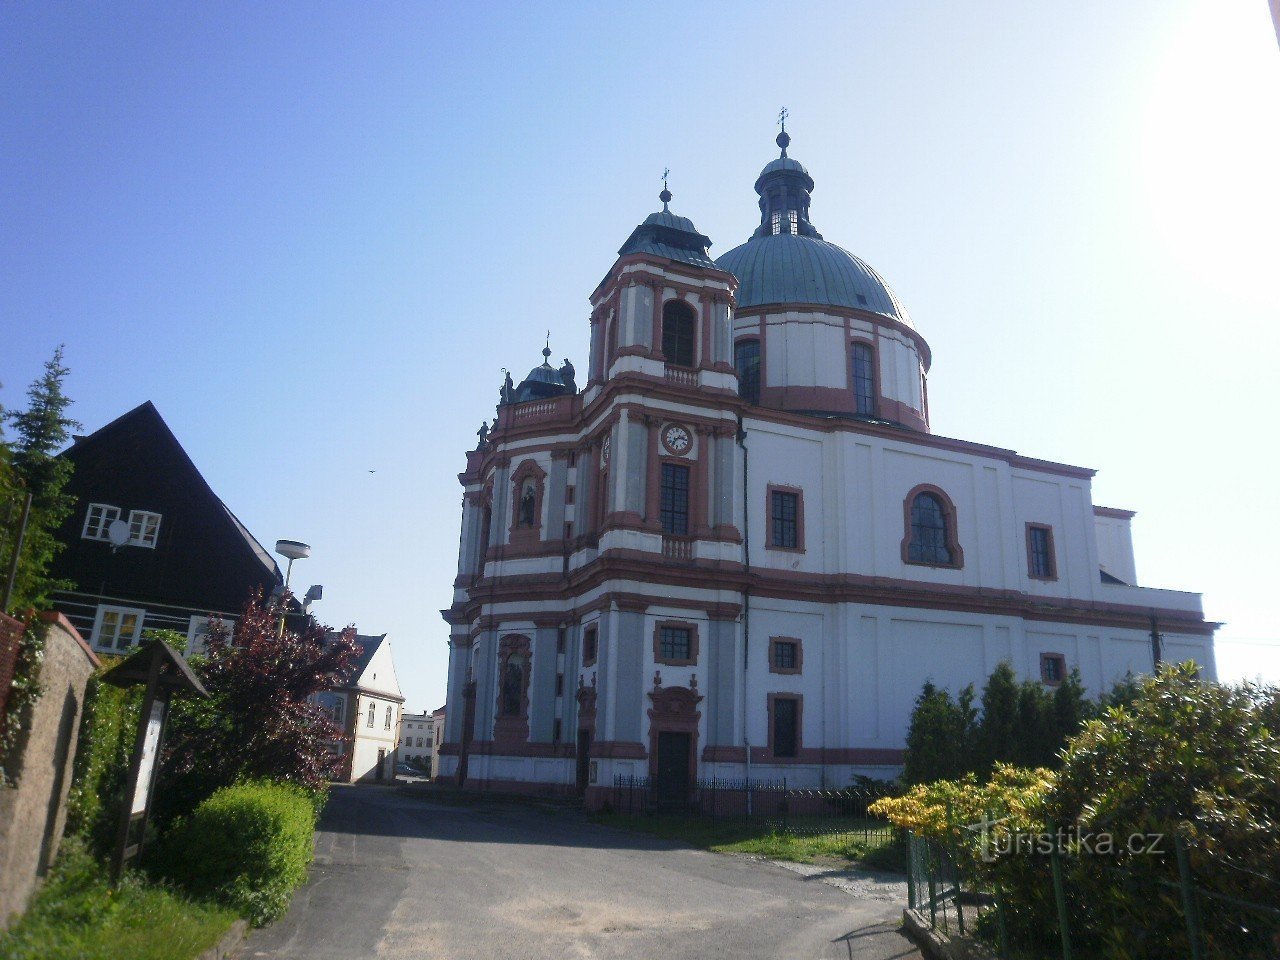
point(542, 382)
point(663, 234)
point(786, 261)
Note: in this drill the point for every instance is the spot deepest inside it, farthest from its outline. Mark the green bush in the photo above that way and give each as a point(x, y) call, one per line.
point(248, 845)
point(107, 732)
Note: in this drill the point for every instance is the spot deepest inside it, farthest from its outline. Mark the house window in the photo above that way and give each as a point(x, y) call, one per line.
point(746, 361)
point(419, 741)
point(144, 527)
point(369, 720)
point(589, 638)
point(339, 711)
point(785, 512)
point(198, 633)
point(864, 379)
point(674, 643)
point(784, 655)
point(674, 507)
point(930, 532)
point(1053, 668)
point(117, 628)
point(786, 726)
point(678, 322)
point(97, 520)
point(386, 724)
point(1040, 559)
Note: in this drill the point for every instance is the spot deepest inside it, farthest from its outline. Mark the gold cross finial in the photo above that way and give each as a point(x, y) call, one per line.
point(782, 118)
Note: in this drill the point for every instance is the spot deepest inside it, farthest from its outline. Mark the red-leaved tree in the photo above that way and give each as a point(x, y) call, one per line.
point(259, 721)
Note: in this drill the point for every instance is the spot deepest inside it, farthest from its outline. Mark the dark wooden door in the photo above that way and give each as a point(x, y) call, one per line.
point(672, 779)
point(382, 762)
point(584, 761)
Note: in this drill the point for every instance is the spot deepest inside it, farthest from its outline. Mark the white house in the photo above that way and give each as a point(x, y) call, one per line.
point(740, 550)
point(367, 709)
point(417, 739)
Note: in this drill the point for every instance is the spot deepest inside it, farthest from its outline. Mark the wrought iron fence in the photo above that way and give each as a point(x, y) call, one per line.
point(1062, 901)
point(772, 805)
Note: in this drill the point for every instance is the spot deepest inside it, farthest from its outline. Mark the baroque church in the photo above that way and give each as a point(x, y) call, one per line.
point(737, 550)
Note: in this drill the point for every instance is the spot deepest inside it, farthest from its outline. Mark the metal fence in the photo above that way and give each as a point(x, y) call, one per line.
point(1058, 901)
point(769, 804)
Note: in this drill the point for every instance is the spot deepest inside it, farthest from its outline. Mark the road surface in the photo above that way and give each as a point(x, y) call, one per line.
point(398, 876)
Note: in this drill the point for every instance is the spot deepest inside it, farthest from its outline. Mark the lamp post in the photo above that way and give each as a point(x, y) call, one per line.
point(291, 550)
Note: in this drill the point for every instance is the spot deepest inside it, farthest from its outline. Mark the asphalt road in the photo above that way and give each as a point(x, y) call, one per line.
point(398, 876)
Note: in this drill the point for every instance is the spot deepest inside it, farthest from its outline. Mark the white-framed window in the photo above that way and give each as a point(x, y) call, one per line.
point(144, 527)
point(97, 519)
point(339, 709)
point(198, 634)
point(117, 628)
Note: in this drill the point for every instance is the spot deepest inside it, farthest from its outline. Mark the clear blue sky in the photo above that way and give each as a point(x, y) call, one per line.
point(312, 234)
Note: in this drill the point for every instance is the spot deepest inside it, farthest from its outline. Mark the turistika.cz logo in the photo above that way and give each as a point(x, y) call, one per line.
point(996, 843)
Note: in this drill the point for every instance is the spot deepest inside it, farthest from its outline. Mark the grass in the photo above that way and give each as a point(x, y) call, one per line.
point(807, 840)
point(77, 915)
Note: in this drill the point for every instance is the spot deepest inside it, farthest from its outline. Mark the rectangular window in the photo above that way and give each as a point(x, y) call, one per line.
point(97, 520)
point(589, 646)
point(560, 640)
point(1053, 668)
point(786, 717)
point(675, 644)
point(786, 511)
point(568, 530)
point(568, 494)
point(864, 380)
point(784, 654)
point(1040, 558)
point(573, 458)
point(674, 507)
point(559, 684)
point(793, 221)
point(198, 634)
point(117, 628)
point(746, 361)
point(144, 527)
point(339, 711)
point(555, 731)
point(775, 223)
point(419, 741)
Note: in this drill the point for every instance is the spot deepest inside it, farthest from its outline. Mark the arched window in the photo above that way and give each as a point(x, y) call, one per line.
point(746, 360)
point(678, 323)
point(369, 720)
point(513, 685)
point(386, 725)
point(931, 533)
point(864, 379)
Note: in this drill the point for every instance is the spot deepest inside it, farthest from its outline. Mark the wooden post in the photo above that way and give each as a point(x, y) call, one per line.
point(128, 817)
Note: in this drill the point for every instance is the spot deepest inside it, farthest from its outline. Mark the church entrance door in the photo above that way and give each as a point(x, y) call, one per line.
point(672, 783)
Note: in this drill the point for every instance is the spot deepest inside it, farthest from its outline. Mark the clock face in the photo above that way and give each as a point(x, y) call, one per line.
point(676, 438)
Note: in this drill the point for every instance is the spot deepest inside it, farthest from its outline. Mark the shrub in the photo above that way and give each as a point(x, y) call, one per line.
point(107, 731)
point(248, 845)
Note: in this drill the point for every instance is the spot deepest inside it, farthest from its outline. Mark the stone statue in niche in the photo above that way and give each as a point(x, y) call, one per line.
point(527, 504)
point(513, 685)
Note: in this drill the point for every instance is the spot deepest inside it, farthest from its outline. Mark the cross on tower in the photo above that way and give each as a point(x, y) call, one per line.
point(665, 172)
point(782, 118)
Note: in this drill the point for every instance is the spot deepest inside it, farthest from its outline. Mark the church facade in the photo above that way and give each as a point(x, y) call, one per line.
point(738, 550)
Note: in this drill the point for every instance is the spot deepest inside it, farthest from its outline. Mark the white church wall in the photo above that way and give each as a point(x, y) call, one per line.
point(1115, 547)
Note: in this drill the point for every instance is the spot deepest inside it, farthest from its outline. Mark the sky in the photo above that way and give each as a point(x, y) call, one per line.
point(313, 234)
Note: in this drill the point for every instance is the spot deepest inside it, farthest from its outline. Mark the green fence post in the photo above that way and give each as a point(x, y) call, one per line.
point(933, 894)
point(1059, 896)
point(1190, 910)
point(911, 873)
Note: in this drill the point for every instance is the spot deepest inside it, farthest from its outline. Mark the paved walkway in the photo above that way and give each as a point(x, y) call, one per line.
point(399, 876)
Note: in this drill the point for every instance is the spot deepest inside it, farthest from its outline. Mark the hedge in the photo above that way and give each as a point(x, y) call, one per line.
point(248, 845)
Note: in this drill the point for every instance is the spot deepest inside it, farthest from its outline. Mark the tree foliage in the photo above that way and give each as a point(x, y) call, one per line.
point(1019, 723)
point(31, 463)
point(259, 722)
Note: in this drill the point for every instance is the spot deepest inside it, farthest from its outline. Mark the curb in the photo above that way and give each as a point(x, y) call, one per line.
point(230, 942)
point(935, 945)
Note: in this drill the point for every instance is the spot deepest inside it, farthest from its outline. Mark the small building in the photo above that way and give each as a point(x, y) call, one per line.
point(150, 545)
point(437, 738)
point(417, 740)
point(367, 709)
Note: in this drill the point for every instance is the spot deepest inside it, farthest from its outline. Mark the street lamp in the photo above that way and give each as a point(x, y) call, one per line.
point(291, 550)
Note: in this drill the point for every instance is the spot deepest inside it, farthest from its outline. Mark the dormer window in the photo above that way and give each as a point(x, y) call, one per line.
point(678, 323)
point(98, 520)
point(144, 528)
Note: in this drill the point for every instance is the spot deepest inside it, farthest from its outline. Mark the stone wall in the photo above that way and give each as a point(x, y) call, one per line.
point(10, 639)
point(33, 812)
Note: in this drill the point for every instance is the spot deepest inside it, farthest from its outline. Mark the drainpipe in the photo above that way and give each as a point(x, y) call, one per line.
point(746, 607)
